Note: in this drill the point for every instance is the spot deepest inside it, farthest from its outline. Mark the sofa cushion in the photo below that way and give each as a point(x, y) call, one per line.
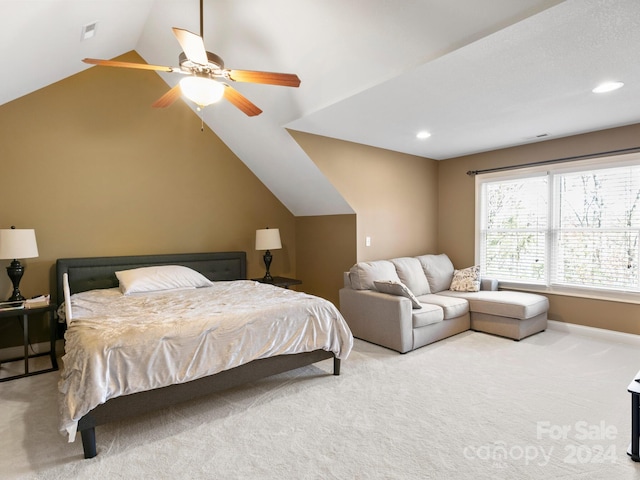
point(397, 288)
point(451, 306)
point(439, 271)
point(412, 274)
point(363, 274)
point(466, 280)
point(427, 315)
point(502, 303)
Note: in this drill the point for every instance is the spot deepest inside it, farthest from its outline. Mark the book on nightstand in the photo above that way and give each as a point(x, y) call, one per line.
point(37, 302)
point(11, 305)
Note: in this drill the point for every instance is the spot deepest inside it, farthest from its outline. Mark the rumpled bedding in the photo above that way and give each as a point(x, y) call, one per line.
point(117, 345)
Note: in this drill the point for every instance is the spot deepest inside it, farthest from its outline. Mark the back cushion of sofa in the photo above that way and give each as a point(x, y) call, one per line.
point(412, 274)
point(363, 274)
point(439, 271)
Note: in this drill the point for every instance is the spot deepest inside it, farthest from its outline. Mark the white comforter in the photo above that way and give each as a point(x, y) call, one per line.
point(118, 345)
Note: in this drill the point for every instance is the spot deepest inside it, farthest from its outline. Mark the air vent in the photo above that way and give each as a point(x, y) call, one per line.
point(88, 31)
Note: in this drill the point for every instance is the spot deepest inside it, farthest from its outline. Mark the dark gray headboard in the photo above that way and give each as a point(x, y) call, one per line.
point(91, 273)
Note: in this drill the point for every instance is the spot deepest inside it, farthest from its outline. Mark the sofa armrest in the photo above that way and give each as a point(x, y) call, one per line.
point(488, 284)
point(378, 318)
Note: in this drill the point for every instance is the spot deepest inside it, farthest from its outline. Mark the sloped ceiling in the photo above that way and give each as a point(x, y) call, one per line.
point(477, 75)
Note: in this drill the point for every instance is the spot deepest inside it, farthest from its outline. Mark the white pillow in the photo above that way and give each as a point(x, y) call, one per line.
point(466, 280)
point(397, 288)
point(162, 277)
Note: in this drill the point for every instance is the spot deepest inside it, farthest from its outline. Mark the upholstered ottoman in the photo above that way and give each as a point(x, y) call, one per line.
point(509, 314)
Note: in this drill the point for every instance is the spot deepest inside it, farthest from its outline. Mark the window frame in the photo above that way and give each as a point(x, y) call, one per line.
point(553, 171)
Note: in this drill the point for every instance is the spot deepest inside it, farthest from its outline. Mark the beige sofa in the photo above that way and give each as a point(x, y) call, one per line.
point(406, 303)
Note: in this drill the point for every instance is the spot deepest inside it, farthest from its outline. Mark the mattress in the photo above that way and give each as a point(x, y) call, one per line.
point(122, 344)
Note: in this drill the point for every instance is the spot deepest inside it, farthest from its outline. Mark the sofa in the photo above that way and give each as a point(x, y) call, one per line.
point(408, 302)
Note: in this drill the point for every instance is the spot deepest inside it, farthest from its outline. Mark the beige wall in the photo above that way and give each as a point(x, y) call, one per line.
point(456, 216)
point(326, 247)
point(96, 171)
point(394, 195)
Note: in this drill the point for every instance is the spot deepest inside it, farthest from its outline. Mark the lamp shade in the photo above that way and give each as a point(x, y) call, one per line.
point(268, 239)
point(18, 243)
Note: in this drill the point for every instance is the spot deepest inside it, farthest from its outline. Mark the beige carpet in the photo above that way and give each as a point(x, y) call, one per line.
point(473, 406)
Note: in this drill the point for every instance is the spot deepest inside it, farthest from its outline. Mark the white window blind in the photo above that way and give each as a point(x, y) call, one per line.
point(597, 228)
point(568, 228)
point(515, 229)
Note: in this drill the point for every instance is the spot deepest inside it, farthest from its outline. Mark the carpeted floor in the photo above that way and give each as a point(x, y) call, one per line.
point(473, 406)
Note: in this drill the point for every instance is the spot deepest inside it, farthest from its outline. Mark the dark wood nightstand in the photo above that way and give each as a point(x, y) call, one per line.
point(283, 282)
point(24, 314)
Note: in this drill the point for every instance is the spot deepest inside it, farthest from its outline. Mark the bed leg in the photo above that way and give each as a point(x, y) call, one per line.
point(336, 366)
point(89, 442)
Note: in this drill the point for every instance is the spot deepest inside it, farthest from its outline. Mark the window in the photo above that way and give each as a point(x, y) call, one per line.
point(572, 227)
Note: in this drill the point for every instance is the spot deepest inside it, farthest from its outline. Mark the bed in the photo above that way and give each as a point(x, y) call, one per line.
point(188, 359)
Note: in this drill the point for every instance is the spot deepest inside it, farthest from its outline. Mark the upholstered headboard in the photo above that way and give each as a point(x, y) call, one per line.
point(91, 273)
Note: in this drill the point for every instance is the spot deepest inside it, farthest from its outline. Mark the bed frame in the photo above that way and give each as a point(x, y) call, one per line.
point(99, 272)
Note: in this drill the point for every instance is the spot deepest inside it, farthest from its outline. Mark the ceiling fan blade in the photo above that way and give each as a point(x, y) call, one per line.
point(240, 101)
point(270, 78)
point(168, 98)
point(192, 45)
point(115, 63)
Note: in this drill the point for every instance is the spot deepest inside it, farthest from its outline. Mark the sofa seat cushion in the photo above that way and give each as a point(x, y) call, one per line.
point(520, 305)
point(452, 307)
point(363, 274)
point(411, 273)
point(427, 315)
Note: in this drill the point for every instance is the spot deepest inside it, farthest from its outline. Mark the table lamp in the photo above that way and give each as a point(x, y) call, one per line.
point(14, 244)
point(268, 239)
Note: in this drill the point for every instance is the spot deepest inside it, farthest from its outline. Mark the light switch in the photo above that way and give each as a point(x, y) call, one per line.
point(367, 241)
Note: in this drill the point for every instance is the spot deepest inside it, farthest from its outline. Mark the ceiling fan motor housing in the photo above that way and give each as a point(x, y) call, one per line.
point(215, 63)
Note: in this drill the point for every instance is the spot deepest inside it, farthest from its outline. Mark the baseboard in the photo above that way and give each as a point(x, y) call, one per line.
point(600, 333)
point(15, 352)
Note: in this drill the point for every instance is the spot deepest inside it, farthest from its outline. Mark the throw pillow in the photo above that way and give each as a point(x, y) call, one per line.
point(399, 289)
point(466, 280)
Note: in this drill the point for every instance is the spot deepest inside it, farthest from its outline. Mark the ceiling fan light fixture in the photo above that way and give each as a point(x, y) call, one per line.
point(202, 91)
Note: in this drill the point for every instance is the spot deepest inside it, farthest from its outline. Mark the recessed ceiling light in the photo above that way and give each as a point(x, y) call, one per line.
point(422, 135)
point(607, 87)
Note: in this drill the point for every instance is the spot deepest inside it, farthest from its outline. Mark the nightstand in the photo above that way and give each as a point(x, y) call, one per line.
point(283, 282)
point(24, 314)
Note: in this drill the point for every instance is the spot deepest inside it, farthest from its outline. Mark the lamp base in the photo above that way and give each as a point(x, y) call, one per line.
point(15, 271)
point(267, 262)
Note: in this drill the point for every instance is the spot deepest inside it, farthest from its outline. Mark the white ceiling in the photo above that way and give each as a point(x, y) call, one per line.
point(478, 75)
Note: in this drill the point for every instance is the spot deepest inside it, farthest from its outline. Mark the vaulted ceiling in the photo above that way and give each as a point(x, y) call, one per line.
point(477, 75)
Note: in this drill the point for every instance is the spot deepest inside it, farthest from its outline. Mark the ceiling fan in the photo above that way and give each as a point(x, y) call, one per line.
point(205, 75)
